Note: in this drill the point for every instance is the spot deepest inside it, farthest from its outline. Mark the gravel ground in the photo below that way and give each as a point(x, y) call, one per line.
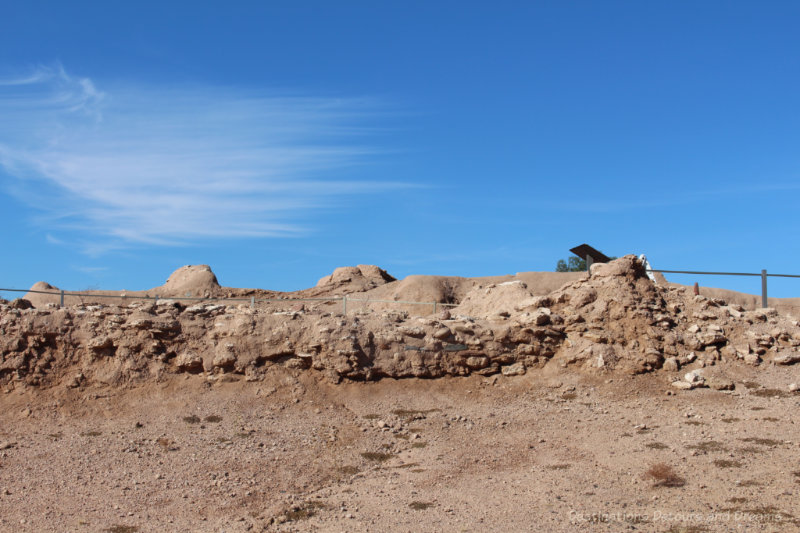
point(550, 450)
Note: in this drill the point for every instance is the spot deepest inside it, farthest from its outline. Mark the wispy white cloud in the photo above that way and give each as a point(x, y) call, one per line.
point(164, 165)
point(53, 240)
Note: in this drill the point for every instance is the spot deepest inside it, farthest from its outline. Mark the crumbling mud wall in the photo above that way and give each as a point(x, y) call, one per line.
point(614, 320)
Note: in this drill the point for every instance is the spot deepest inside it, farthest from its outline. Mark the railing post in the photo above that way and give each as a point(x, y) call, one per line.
point(252, 302)
point(62, 297)
point(764, 300)
point(344, 304)
point(434, 307)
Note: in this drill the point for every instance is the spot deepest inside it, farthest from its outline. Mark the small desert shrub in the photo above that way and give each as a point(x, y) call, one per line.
point(376, 456)
point(726, 463)
point(193, 419)
point(749, 450)
point(663, 475)
point(769, 393)
point(305, 511)
point(730, 420)
point(348, 470)
point(213, 418)
point(420, 506)
point(122, 529)
point(656, 446)
point(298, 514)
point(762, 442)
point(409, 415)
point(414, 412)
point(418, 444)
point(562, 466)
point(708, 446)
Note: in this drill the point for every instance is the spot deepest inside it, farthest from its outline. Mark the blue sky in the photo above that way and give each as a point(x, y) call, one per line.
point(278, 140)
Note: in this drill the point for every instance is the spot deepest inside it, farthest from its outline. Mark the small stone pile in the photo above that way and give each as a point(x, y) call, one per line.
point(619, 318)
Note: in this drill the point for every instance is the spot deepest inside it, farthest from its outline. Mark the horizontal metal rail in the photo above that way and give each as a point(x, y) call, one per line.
point(763, 275)
point(146, 297)
point(400, 302)
point(724, 273)
point(344, 299)
point(252, 299)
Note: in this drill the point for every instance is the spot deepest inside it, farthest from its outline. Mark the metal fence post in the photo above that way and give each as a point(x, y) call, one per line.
point(434, 307)
point(344, 304)
point(62, 297)
point(764, 300)
point(252, 302)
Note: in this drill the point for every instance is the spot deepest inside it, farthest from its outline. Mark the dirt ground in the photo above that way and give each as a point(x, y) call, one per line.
point(609, 404)
point(552, 450)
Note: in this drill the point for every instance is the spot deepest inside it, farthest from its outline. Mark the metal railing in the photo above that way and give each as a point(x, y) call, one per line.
point(344, 299)
point(763, 275)
point(252, 300)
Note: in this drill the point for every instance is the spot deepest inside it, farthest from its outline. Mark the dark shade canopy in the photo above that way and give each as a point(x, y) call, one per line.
point(584, 251)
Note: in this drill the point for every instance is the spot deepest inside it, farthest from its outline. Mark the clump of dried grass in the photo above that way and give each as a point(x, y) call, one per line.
point(664, 475)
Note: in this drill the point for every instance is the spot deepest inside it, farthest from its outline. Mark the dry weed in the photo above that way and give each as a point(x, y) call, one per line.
point(664, 475)
point(420, 506)
point(727, 463)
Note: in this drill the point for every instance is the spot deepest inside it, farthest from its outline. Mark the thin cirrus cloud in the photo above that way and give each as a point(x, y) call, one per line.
point(165, 165)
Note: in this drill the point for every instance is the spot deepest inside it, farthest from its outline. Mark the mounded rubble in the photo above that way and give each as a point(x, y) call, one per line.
point(361, 277)
point(614, 320)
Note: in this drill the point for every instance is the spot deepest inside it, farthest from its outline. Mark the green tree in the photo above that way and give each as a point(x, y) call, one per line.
point(573, 264)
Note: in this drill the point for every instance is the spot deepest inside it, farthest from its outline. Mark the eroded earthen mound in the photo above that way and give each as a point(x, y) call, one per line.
point(43, 286)
point(38, 299)
point(357, 278)
point(615, 319)
point(191, 280)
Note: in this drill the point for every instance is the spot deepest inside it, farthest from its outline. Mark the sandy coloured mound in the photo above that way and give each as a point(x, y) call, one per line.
point(615, 319)
point(191, 280)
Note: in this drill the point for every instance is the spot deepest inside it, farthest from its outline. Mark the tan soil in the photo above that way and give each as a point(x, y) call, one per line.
point(547, 412)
